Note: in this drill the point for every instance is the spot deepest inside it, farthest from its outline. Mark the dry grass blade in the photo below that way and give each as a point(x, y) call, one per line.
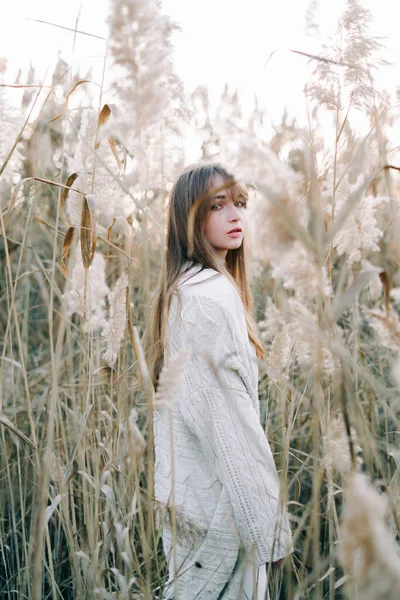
point(109, 234)
point(339, 63)
point(83, 423)
point(129, 323)
point(77, 84)
point(103, 118)
point(116, 248)
point(14, 85)
point(91, 202)
point(50, 509)
point(99, 37)
point(7, 423)
point(65, 251)
point(88, 230)
point(392, 167)
point(39, 220)
point(344, 300)
point(20, 183)
point(114, 151)
point(387, 286)
point(108, 374)
point(64, 195)
point(56, 118)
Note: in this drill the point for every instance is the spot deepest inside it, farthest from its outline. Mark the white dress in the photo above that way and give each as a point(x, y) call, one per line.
point(258, 589)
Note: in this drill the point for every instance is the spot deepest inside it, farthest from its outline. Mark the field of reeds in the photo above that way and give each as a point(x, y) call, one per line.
point(83, 196)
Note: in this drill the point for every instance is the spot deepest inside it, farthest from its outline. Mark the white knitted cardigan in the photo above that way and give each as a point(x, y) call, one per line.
point(226, 486)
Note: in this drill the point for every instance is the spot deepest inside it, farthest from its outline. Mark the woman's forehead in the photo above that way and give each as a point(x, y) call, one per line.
point(216, 181)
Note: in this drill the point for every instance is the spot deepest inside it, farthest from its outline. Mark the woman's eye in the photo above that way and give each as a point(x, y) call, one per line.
point(242, 202)
point(215, 206)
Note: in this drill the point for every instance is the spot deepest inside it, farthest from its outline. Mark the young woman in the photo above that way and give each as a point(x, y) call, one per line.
point(214, 471)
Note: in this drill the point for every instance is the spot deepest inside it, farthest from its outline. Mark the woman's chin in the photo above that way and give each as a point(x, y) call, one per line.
point(234, 244)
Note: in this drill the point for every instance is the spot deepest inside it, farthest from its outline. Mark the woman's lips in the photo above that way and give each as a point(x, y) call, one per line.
point(235, 234)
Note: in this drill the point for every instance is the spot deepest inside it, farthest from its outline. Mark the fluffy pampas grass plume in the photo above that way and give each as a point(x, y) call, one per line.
point(96, 292)
point(337, 447)
point(114, 329)
point(367, 549)
point(170, 378)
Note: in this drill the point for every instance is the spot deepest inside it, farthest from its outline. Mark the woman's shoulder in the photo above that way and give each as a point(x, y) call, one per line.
point(198, 280)
point(207, 285)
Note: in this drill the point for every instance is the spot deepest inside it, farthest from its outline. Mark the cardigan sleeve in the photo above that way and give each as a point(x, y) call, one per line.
point(220, 412)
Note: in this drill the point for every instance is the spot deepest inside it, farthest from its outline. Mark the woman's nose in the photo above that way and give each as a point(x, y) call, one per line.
point(234, 213)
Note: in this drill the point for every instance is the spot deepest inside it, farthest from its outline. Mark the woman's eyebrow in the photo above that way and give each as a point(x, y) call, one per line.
point(222, 196)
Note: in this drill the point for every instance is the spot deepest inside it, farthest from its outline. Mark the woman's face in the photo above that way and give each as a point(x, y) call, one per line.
point(226, 213)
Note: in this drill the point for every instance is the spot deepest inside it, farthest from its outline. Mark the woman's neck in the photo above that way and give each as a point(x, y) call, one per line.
point(220, 260)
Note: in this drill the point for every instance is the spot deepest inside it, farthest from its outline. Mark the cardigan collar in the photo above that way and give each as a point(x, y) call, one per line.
point(196, 273)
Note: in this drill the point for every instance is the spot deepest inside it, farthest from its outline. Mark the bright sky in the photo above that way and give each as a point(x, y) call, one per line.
point(220, 41)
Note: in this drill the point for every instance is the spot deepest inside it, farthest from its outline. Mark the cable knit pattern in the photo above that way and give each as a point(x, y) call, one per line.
point(226, 485)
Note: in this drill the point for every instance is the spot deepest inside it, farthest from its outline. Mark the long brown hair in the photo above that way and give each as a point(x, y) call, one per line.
point(188, 208)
